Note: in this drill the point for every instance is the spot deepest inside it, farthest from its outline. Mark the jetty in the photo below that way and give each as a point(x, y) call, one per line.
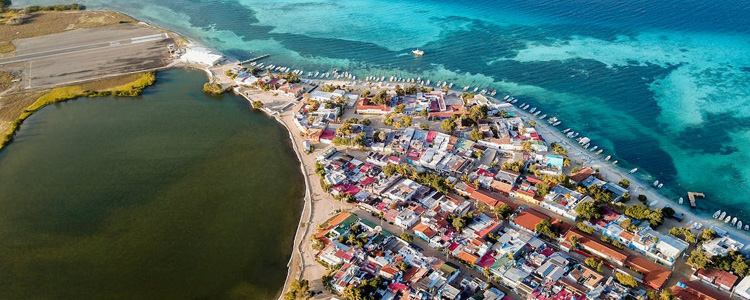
point(254, 59)
point(692, 195)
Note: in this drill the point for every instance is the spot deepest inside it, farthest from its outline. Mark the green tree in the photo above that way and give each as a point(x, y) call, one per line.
point(406, 120)
point(399, 108)
point(624, 183)
point(403, 266)
point(698, 259)
point(475, 135)
point(503, 211)
point(424, 126)
point(585, 228)
point(407, 237)
point(665, 294)
point(708, 234)
point(545, 227)
point(626, 280)
point(591, 262)
point(588, 210)
point(448, 125)
point(298, 289)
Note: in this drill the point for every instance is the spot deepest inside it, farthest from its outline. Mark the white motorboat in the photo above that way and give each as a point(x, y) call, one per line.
point(575, 134)
point(739, 225)
point(716, 214)
point(734, 221)
point(417, 52)
point(566, 130)
point(557, 123)
point(747, 227)
point(537, 113)
point(543, 116)
point(586, 146)
point(532, 110)
point(506, 97)
point(614, 163)
point(594, 148)
point(729, 218)
point(476, 89)
point(723, 214)
point(656, 183)
point(600, 151)
point(633, 170)
point(514, 101)
point(610, 156)
point(450, 86)
point(660, 185)
point(466, 88)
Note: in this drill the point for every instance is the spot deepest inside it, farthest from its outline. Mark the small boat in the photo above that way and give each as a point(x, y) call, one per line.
point(633, 170)
point(600, 151)
point(594, 148)
point(532, 110)
point(466, 88)
point(575, 134)
point(682, 200)
point(417, 52)
point(734, 221)
point(493, 93)
point(739, 225)
point(614, 163)
point(506, 97)
point(698, 226)
point(476, 89)
point(716, 214)
point(537, 113)
point(610, 156)
point(543, 116)
point(514, 101)
point(566, 130)
point(450, 85)
point(723, 214)
point(660, 185)
point(656, 183)
point(747, 227)
point(729, 218)
point(557, 123)
point(586, 146)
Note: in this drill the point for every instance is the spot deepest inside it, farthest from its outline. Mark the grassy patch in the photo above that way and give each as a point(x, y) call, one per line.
point(7, 47)
point(133, 87)
point(5, 80)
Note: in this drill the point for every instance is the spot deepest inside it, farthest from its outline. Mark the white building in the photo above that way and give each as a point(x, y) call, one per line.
point(743, 288)
point(203, 56)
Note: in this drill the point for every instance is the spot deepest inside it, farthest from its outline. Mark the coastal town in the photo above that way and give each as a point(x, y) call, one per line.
point(425, 192)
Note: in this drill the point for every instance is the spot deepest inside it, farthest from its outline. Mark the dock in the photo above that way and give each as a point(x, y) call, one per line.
point(254, 59)
point(692, 195)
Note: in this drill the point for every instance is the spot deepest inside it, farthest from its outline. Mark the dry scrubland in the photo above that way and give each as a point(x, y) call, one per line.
point(44, 23)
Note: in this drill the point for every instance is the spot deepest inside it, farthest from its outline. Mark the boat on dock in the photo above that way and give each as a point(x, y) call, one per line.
point(594, 148)
point(655, 183)
point(537, 113)
point(506, 97)
point(660, 185)
point(722, 215)
point(566, 130)
point(682, 200)
point(633, 170)
point(543, 116)
point(532, 110)
point(610, 156)
point(557, 123)
point(614, 163)
point(729, 218)
point(716, 214)
point(739, 225)
point(575, 134)
point(747, 227)
point(586, 146)
point(734, 221)
point(600, 151)
point(514, 101)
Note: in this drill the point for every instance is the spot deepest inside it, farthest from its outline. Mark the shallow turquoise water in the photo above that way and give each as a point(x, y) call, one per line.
point(662, 85)
point(172, 195)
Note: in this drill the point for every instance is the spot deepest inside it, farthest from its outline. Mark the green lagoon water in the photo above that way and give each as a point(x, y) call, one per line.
point(172, 195)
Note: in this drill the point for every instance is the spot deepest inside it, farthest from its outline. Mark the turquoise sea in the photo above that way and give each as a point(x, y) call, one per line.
point(662, 85)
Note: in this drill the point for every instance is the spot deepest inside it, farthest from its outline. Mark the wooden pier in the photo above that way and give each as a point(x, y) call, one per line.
point(692, 195)
point(254, 59)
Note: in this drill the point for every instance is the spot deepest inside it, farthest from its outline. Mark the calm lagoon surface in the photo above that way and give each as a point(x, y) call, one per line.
point(171, 195)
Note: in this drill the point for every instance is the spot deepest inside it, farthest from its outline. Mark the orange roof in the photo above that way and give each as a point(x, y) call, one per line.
point(590, 244)
point(388, 269)
point(581, 175)
point(468, 257)
point(656, 275)
point(626, 235)
point(719, 277)
point(489, 199)
point(696, 291)
point(332, 223)
point(426, 230)
point(501, 186)
point(529, 218)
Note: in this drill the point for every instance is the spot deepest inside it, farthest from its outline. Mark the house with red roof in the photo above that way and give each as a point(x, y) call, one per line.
point(528, 218)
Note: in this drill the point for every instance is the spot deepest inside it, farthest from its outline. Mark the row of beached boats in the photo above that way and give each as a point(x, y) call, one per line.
point(723, 216)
